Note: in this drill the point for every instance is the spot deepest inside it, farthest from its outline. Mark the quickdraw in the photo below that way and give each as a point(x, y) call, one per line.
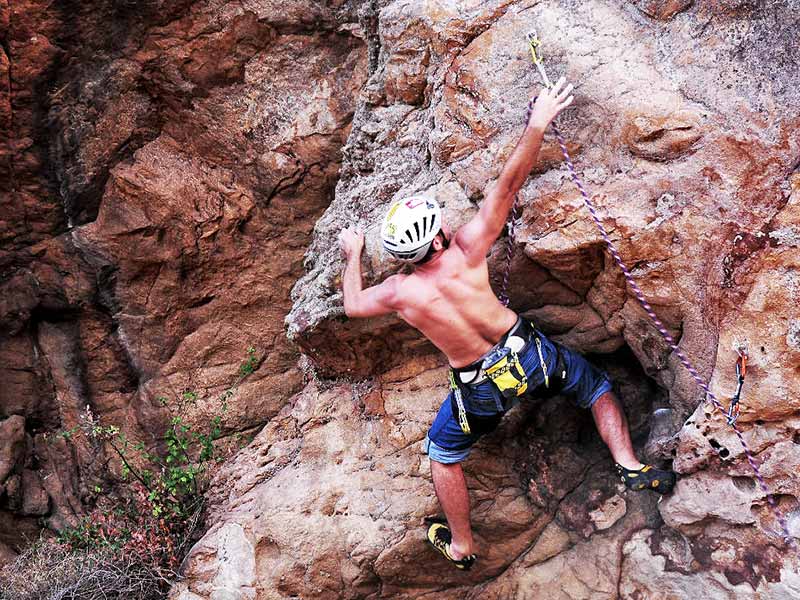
point(538, 60)
point(541, 362)
point(741, 368)
point(732, 413)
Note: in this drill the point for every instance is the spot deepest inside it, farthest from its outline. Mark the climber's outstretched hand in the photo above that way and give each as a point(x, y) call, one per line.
point(549, 103)
point(351, 241)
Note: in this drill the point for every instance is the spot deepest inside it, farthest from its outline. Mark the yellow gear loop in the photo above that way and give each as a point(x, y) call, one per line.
point(463, 422)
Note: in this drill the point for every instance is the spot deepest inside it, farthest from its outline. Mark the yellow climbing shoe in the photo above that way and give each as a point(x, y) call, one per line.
point(647, 478)
point(439, 537)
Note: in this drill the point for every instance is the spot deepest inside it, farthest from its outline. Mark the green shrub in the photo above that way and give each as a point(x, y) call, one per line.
point(132, 546)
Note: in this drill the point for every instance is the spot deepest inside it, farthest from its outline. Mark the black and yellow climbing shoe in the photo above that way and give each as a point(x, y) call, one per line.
point(439, 537)
point(647, 478)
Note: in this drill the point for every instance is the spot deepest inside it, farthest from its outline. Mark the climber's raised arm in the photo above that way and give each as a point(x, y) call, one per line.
point(476, 237)
point(377, 300)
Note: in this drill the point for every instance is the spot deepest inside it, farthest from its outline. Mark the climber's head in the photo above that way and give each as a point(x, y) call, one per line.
point(412, 229)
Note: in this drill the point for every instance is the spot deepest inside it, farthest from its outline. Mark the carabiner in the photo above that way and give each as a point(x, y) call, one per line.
point(741, 369)
point(535, 44)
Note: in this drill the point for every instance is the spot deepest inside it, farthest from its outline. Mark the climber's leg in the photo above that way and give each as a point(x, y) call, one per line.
point(451, 490)
point(591, 388)
point(447, 446)
point(613, 427)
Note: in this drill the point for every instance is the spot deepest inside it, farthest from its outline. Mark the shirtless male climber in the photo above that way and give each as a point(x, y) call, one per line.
point(448, 298)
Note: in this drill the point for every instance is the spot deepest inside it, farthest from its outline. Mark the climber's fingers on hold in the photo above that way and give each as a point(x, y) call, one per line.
point(564, 104)
point(564, 93)
point(556, 89)
point(351, 242)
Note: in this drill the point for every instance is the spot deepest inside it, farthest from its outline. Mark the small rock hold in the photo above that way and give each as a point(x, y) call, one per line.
point(662, 138)
point(793, 335)
point(662, 10)
point(609, 513)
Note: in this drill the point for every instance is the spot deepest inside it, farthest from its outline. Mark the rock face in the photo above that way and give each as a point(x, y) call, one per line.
point(165, 175)
point(164, 166)
point(684, 129)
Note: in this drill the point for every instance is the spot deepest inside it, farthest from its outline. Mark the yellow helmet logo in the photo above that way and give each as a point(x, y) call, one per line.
point(393, 210)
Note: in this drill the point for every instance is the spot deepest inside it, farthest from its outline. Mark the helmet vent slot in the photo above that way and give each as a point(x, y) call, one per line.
point(408, 235)
point(425, 224)
point(416, 228)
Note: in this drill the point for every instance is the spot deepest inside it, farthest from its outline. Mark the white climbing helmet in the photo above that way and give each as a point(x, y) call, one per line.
point(410, 226)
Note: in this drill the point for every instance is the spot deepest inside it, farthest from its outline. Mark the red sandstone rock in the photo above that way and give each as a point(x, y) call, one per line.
point(193, 146)
point(35, 501)
point(12, 451)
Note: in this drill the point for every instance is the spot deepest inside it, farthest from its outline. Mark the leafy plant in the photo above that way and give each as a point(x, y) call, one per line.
point(147, 526)
point(250, 364)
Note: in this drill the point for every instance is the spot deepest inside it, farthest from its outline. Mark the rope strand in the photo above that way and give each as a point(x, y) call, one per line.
point(503, 296)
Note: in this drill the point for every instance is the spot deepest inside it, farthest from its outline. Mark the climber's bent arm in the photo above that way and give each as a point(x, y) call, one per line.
point(373, 301)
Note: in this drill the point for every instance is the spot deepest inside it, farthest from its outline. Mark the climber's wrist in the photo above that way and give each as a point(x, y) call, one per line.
point(536, 126)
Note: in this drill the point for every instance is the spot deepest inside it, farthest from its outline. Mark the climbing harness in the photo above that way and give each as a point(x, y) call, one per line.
point(503, 368)
point(732, 413)
point(741, 368)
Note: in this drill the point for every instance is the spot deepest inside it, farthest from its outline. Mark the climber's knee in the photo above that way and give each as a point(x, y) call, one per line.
point(444, 455)
point(584, 382)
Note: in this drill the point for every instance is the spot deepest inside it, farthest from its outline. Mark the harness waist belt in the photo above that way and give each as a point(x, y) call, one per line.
point(515, 338)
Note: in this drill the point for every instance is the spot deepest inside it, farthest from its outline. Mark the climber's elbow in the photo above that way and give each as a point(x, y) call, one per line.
point(373, 301)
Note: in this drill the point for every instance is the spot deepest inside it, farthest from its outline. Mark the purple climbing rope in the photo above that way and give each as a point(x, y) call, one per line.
point(503, 296)
point(659, 325)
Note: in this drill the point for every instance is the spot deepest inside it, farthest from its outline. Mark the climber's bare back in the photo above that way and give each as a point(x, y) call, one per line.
point(452, 304)
point(448, 297)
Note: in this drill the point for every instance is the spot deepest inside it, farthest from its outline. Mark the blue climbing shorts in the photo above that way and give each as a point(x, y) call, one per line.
point(582, 382)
